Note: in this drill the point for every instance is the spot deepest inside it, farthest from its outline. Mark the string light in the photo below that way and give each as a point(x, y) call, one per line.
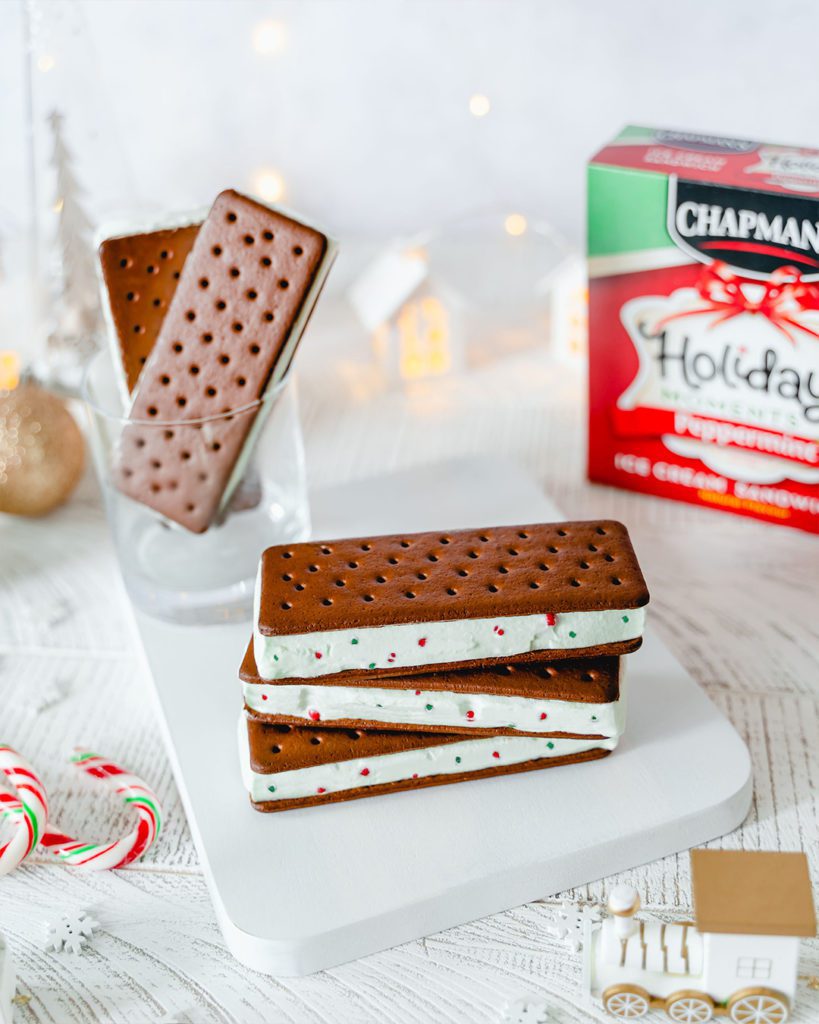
point(515, 224)
point(9, 371)
point(269, 37)
point(268, 185)
point(479, 105)
point(423, 335)
point(45, 62)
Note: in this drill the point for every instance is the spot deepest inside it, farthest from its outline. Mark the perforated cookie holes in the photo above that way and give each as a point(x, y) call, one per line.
point(486, 574)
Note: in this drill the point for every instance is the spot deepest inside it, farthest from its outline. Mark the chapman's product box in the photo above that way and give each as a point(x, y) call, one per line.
point(704, 322)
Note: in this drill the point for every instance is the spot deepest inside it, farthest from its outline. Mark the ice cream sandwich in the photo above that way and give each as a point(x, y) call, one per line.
point(568, 697)
point(286, 767)
point(140, 271)
point(431, 602)
point(242, 300)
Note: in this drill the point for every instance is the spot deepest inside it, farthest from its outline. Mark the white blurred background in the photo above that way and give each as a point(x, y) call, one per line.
point(363, 106)
point(376, 117)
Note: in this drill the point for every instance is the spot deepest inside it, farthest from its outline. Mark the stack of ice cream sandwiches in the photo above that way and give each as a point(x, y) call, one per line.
point(386, 663)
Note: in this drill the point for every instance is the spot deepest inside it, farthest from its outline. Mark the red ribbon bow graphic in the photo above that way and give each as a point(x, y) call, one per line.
point(782, 297)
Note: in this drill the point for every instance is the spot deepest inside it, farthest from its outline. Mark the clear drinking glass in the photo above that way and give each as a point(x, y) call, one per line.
point(199, 578)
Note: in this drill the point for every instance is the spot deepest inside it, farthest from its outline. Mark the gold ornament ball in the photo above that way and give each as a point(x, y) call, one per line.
point(42, 453)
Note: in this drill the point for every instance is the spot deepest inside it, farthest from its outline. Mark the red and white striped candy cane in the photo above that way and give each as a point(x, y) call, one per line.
point(25, 810)
point(135, 794)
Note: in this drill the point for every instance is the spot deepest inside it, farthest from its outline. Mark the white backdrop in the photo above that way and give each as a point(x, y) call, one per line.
point(364, 109)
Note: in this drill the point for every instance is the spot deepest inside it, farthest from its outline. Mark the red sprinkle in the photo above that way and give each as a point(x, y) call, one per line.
point(415, 776)
point(321, 789)
point(470, 714)
point(314, 715)
point(417, 693)
point(264, 696)
point(499, 631)
point(550, 619)
point(318, 654)
point(495, 753)
point(422, 642)
point(543, 716)
point(365, 771)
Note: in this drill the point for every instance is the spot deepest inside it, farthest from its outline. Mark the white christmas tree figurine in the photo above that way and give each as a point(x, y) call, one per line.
point(79, 319)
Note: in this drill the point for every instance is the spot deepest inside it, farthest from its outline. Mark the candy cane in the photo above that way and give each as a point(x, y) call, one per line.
point(135, 794)
point(26, 809)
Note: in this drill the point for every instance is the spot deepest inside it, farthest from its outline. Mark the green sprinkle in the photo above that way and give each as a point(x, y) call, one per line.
point(457, 760)
point(275, 657)
point(625, 618)
point(354, 641)
point(372, 664)
point(429, 707)
point(550, 745)
point(271, 789)
point(572, 634)
point(379, 705)
point(594, 718)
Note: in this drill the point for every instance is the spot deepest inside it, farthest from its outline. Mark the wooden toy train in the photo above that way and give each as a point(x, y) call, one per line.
point(738, 960)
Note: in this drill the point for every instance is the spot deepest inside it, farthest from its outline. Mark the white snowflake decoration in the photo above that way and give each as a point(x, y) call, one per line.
point(569, 923)
point(528, 1010)
point(71, 933)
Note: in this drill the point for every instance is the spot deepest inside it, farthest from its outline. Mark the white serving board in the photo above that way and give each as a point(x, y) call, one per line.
point(302, 890)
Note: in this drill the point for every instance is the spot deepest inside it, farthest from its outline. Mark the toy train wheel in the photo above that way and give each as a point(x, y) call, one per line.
point(628, 1002)
point(758, 1006)
point(689, 1007)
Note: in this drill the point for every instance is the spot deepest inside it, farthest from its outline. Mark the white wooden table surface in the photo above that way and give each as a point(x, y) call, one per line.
point(736, 601)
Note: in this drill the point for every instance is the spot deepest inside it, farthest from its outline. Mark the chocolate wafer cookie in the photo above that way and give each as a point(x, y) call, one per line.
point(573, 697)
point(287, 767)
point(404, 604)
point(140, 272)
point(240, 305)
